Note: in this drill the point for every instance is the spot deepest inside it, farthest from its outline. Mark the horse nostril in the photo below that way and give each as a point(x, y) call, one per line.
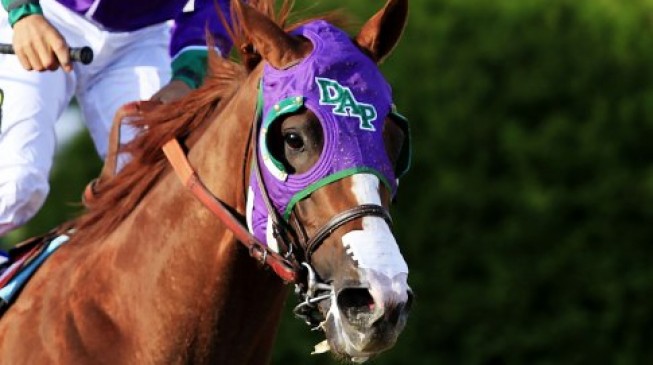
point(356, 303)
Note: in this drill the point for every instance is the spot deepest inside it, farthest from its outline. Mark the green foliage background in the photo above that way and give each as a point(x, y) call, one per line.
point(527, 217)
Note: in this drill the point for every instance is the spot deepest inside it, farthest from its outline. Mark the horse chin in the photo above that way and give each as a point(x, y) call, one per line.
point(355, 345)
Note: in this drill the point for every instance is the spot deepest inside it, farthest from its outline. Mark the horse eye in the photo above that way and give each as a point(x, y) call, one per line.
point(294, 140)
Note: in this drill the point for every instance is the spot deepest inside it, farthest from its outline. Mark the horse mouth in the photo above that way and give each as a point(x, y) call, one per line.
point(356, 342)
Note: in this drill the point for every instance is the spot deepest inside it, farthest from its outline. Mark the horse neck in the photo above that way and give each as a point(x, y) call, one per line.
point(202, 287)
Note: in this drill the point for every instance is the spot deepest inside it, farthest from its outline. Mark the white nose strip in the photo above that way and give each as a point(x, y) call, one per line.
point(374, 247)
point(375, 250)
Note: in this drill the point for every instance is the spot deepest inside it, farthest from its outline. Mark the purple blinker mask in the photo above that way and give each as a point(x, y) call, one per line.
point(346, 91)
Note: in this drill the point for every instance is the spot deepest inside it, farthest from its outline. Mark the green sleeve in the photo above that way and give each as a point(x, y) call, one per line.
point(19, 9)
point(190, 67)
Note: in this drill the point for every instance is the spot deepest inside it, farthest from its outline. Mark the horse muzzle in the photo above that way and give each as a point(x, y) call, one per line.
point(365, 321)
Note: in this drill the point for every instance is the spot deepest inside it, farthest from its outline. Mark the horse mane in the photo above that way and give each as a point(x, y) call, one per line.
point(117, 197)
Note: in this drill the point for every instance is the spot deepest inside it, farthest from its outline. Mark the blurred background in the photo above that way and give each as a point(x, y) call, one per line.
point(527, 218)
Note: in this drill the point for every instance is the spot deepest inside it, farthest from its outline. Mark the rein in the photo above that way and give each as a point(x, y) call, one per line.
point(289, 267)
point(177, 158)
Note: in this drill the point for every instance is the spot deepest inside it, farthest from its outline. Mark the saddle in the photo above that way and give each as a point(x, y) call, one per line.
point(21, 263)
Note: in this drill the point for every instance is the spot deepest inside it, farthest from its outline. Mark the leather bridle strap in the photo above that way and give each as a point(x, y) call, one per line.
point(360, 211)
point(177, 158)
point(281, 231)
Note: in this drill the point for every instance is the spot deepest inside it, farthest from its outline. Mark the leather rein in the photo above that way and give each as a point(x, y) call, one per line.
point(286, 270)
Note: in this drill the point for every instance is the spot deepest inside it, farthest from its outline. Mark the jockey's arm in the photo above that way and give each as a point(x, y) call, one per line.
point(188, 46)
point(189, 39)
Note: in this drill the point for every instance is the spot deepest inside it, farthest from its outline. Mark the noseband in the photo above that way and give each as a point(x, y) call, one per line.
point(313, 290)
point(365, 210)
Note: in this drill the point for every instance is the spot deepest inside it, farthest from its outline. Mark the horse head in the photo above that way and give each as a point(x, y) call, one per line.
point(330, 149)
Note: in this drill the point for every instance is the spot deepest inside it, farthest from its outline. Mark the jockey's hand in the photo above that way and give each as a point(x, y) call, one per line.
point(175, 90)
point(39, 46)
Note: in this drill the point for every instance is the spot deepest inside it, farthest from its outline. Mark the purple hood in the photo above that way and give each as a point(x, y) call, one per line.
point(350, 97)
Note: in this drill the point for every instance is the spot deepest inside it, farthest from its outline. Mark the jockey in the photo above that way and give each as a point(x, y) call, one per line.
point(143, 49)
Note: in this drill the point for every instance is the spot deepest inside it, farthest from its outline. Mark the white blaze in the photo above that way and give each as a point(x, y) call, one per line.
point(375, 249)
point(380, 264)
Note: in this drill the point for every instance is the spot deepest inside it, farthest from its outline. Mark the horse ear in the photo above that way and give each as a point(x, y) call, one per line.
point(381, 33)
point(277, 47)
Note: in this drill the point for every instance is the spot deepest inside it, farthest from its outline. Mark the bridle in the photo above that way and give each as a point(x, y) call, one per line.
point(294, 264)
point(297, 246)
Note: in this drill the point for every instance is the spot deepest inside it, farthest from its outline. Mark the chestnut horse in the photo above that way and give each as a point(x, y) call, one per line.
point(151, 276)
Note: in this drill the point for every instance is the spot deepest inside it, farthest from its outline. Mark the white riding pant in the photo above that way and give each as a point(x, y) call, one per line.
point(127, 66)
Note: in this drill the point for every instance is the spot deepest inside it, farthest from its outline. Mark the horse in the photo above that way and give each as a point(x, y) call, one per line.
point(300, 142)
